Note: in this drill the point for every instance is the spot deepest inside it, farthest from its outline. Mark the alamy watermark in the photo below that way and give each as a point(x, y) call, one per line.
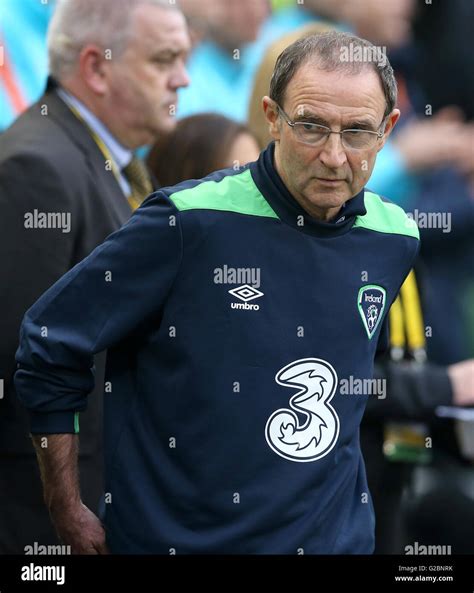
point(37, 549)
point(229, 275)
point(355, 53)
point(422, 550)
point(33, 572)
point(430, 220)
point(354, 386)
point(48, 220)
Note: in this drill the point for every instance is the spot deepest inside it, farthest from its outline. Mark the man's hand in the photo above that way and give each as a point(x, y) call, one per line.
point(79, 528)
point(76, 525)
point(442, 139)
point(462, 382)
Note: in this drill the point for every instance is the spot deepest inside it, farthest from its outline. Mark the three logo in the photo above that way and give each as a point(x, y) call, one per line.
point(315, 437)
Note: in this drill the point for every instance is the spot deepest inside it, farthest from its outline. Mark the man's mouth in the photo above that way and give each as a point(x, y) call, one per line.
point(330, 181)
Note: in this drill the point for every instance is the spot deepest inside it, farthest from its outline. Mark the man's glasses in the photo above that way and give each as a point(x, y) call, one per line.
point(316, 135)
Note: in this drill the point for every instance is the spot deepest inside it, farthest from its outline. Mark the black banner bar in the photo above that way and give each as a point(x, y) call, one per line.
point(236, 574)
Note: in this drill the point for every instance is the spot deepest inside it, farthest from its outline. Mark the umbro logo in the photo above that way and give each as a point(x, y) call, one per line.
point(246, 293)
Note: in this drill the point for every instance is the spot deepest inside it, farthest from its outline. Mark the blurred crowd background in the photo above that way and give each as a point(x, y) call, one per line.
point(422, 493)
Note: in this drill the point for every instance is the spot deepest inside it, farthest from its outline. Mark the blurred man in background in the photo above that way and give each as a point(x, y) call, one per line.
point(219, 65)
point(68, 178)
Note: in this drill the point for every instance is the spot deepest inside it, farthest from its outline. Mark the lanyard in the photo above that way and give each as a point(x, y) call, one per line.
point(100, 144)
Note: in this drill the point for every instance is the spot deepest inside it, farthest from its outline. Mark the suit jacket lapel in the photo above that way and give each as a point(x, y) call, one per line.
point(78, 133)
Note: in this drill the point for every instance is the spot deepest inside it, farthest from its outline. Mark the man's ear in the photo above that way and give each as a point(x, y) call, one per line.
point(91, 64)
point(389, 125)
point(272, 116)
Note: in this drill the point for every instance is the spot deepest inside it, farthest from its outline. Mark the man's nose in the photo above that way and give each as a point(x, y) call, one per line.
point(180, 77)
point(333, 154)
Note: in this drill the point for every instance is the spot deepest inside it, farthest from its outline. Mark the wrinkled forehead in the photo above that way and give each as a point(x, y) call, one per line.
point(335, 92)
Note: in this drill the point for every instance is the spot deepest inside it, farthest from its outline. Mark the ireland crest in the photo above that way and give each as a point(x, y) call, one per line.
point(371, 303)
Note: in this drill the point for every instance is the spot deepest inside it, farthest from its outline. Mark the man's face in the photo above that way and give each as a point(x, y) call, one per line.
point(323, 177)
point(143, 81)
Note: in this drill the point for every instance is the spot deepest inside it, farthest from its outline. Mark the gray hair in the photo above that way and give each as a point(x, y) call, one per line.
point(76, 23)
point(333, 51)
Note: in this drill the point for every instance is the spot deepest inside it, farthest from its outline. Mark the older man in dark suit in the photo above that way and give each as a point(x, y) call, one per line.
point(68, 178)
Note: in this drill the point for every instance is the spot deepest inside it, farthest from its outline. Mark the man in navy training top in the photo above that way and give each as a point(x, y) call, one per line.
point(234, 308)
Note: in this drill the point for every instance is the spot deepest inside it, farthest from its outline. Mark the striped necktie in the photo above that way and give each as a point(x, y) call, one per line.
point(140, 182)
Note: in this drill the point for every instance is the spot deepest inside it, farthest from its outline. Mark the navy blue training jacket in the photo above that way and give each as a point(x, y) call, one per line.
point(237, 327)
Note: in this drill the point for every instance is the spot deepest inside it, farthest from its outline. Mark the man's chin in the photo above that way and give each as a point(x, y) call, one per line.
point(332, 197)
point(167, 124)
point(323, 201)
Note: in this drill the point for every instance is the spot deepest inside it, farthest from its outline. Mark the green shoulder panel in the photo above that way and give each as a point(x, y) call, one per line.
point(385, 217)
point(233, 193)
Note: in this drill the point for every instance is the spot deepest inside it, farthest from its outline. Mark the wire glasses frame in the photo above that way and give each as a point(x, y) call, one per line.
point(316, 134)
